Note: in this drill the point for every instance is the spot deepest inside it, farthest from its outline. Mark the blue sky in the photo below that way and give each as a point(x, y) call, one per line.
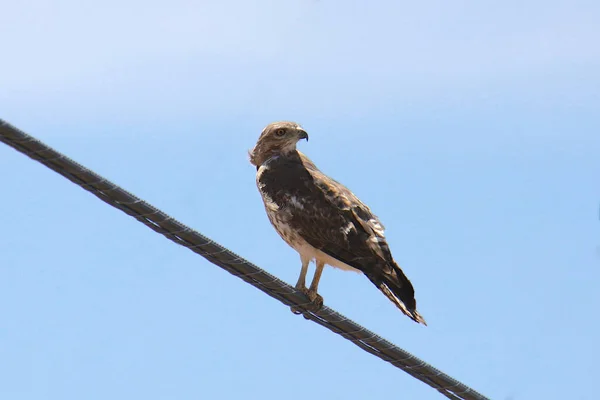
point(470, 128)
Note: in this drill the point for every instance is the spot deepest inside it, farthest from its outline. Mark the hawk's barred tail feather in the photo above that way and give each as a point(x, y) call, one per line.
point(399, 290)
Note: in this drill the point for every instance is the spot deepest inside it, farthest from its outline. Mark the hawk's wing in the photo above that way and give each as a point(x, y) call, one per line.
point(333, 220)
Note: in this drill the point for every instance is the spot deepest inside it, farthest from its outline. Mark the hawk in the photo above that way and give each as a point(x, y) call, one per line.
point(322, 220)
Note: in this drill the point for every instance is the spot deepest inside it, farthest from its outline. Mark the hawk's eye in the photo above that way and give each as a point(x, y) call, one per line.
point(280, 132)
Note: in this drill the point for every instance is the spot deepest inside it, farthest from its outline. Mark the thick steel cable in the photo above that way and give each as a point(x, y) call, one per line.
point(232, 263)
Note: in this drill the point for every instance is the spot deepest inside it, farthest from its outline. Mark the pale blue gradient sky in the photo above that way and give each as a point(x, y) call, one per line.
point(471, 129)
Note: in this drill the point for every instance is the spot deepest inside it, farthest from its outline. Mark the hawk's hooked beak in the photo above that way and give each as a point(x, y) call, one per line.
point(302, 134)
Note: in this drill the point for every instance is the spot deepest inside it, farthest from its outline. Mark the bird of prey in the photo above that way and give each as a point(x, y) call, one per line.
point(322, 220)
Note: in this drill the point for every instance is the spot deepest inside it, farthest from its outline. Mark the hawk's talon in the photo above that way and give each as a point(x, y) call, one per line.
point(295, 310)
point(316, 301)
point(301, 288)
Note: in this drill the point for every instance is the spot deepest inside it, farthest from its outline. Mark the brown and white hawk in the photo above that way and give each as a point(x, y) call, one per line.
point(323, 220)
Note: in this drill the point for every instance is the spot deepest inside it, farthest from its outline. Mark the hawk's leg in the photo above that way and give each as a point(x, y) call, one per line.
point(312, 292)
point(301, 284)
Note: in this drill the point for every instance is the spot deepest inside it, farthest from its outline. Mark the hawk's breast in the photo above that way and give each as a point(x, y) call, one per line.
point(277, 201)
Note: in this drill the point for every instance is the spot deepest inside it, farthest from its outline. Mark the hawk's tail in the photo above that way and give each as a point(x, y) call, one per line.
point(396, 287)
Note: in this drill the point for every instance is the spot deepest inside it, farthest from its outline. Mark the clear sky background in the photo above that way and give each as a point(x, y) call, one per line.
point(471, 128)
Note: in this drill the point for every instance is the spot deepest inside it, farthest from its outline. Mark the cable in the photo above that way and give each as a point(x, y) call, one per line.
point(174, 230)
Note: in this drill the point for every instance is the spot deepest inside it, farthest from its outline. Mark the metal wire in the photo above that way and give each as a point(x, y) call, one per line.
point(234, 264)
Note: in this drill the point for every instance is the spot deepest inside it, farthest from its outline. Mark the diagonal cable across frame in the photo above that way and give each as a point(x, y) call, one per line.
point(160, 222)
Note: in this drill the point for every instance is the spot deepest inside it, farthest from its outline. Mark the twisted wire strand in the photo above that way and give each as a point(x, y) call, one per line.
point(179, 233)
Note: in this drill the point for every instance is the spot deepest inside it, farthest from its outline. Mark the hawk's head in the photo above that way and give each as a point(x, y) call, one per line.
point(276, 138)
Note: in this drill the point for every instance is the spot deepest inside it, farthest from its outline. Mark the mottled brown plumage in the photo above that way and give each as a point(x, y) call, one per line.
point(323, 220)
